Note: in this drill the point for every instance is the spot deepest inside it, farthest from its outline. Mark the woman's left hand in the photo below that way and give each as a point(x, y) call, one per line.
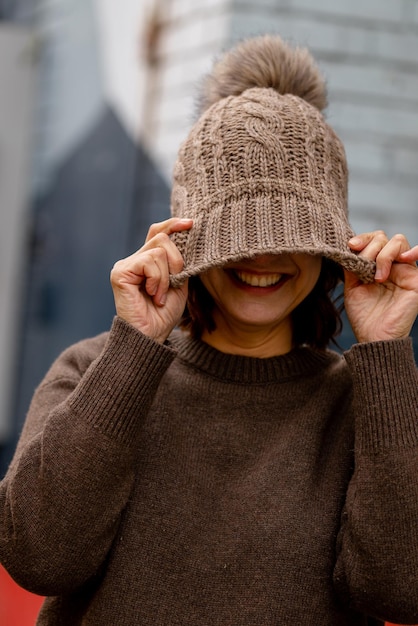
point(386, 308)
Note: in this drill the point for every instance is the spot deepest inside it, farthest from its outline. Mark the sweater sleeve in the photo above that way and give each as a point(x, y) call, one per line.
point(72, 473)
point(377, 548)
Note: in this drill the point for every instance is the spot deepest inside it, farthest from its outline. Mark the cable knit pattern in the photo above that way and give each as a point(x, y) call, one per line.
point(262, 172)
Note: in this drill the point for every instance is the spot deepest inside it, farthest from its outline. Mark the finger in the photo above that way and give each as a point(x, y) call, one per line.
point(149, 268)
point(134, 271)
point(368, 245)
point(151, 265)
point(410, 256)
point(148, 273)
point(390, 254)
point(159, 285)
point(155, 267)
point(172, 225)
point(173, 255)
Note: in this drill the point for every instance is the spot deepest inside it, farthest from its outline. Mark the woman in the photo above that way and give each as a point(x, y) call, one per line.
point(236, 471)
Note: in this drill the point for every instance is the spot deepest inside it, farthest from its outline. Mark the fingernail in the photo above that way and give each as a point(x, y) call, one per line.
point(378, 274)
point(163, 299)
point(355, 241)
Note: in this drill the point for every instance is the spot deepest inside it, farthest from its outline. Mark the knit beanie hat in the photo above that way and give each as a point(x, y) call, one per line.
point(261, 172)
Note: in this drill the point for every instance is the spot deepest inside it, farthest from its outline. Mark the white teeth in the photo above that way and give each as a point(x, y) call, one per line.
point(255, 280)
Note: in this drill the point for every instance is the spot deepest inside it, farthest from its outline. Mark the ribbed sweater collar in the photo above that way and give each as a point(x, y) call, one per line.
point(233, 368)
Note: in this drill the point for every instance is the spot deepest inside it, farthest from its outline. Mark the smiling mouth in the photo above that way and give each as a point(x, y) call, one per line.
point(258, 280)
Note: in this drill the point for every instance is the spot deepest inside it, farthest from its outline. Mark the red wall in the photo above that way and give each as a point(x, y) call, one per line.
point(17, 607)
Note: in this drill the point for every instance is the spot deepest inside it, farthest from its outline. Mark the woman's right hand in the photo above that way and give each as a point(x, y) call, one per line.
point(141, 282)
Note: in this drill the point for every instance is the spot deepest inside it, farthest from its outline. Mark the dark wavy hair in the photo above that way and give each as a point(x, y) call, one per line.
point(316, 320)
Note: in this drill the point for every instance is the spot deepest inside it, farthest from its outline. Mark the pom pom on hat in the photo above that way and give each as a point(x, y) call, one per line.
point(261, 172)
point(265, 61)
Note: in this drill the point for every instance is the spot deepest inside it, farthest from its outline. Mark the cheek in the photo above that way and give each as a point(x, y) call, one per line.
point(310, 275)
point(314, 274)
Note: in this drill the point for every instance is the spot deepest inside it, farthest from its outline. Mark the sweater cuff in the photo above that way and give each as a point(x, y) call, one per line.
point(385, 388)
point(121, 383)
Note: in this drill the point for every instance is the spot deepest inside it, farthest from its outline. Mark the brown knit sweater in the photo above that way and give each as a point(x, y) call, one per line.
point(179, 486)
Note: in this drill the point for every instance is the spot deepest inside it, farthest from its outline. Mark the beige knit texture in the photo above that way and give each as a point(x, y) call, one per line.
point(262, 173)
point(264, 61)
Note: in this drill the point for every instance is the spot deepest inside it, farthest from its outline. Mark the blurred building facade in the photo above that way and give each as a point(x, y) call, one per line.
point(111, 88)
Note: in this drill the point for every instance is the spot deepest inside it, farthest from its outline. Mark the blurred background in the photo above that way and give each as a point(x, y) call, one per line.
point(95, 98)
